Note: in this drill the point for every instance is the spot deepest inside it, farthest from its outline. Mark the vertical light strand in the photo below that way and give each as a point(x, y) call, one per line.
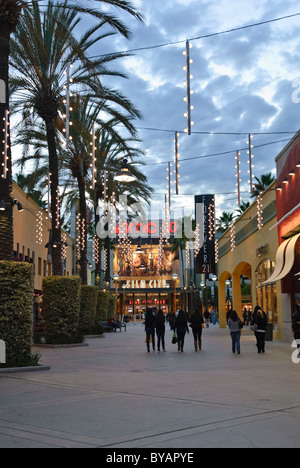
point(96, 252)
point(250, 162)
point(259, 213)
point(67, 103)
point(177, 162)
point(197, 241)
point(211, 221)
point(238, 177)
point(93, 155)
point(187, 255)
point(217, 251)
point(189, 92)
point(232, 237)
point(49, 195)
point(169, 178)
point(64, 246)
point(57, 208)
point(6, 146)
point(39, 227)
point(78, 235)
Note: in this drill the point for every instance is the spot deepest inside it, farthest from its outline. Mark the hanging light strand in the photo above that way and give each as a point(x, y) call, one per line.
point(93, 155)
point(67, 104)
point(39, 227)
point(259, 213)
point(238, 178)
point(232, 237)
point(197, 246)
point(176, 171)
point(5, 143)
point(189, 92)
point(250, 162)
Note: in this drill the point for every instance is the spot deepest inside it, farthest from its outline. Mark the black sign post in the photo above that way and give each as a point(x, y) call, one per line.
point(206, 259)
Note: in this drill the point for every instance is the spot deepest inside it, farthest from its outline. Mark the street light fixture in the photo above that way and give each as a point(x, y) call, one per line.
point(125, 175)
point(175, 277)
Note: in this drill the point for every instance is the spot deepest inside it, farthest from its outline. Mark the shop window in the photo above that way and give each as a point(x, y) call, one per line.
point(266, 295)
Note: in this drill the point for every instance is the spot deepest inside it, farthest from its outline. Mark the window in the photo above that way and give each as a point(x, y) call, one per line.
point(40, 266)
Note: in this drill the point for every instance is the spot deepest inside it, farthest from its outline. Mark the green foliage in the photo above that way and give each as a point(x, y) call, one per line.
point(102, 306)
point(62, 309)
point(16, 316)
point(111, 306)
point(88, 306)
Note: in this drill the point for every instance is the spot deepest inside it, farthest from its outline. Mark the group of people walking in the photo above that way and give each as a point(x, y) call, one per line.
point(155, 326)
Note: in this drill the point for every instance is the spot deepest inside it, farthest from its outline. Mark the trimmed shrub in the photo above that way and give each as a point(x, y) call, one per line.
point(88, 306)
point(16, 315)
point(61, 309)
point(111, 306)
point(102, 306)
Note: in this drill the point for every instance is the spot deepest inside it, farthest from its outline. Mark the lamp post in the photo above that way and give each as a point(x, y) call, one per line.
point(124, 301)
point(214, 279)
point(175, 277)
point(116, 279)
point(202, 284)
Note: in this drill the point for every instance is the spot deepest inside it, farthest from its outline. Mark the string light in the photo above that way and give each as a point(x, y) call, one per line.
point(217, 251)
point(189, 92)
point(67, 103)
point(197, 245)
point(64, 246)
point(96, 249)
point(39, 227)
point(78, 236)
point(93, 164)
point(5, 143)
point(238, 177)
point(211, 221)
point(259, 213)
point(176, 171)
point(48, 179)
point(250, 162)
point(187, 255)
point(232, 237)
point(57, 208)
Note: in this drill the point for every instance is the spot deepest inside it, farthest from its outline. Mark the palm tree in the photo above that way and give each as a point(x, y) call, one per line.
point(48, 81)
point(42, 46)
point(262, 184)
point(224, 222)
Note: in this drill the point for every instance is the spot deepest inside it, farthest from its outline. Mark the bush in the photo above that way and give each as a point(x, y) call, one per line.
point(16, 316)
point(88, 306)
point(102, 306)
point(61, 309)
point(111, 306)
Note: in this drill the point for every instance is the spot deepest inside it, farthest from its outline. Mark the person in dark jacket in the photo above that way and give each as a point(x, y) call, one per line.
point(181, 328)
point(259, 324)
point(196, 324)
point(160, 330)
point(150, 328)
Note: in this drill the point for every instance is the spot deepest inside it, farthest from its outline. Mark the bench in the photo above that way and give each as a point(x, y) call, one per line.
point(113, 327)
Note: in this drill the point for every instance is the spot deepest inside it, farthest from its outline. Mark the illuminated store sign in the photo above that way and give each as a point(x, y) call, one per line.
point(142, 284)
point(151, 228)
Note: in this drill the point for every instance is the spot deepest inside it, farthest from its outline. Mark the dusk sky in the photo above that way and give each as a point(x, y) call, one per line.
point(243, 83)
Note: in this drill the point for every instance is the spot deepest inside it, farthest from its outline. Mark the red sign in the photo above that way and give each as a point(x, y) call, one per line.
point(151, 228)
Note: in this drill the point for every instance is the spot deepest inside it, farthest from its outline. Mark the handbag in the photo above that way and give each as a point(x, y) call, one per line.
point(175, 338)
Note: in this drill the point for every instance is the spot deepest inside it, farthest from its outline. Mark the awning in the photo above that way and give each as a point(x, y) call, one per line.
point(285, 259)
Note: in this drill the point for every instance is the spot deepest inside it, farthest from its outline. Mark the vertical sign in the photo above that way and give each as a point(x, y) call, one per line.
point(206, 259)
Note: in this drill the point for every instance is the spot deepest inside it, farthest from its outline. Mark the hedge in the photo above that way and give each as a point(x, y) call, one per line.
point(61, 309)
point(111, 306)
point(102, 306)
point(88, 306)
point(16, 315)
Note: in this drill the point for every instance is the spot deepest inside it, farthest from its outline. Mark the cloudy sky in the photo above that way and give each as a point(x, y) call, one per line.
point(243, 83)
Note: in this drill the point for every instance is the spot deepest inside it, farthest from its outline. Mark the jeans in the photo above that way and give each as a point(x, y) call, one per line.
point(236, 340)
point(181, 335)
point(161, 337)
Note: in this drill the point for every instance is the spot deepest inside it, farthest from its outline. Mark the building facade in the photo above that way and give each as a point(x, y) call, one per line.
point(248, 251)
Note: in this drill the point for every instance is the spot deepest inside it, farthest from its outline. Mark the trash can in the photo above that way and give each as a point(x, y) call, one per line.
point(269, 331)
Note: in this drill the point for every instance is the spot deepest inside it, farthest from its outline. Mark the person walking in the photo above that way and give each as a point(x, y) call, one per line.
point(234, 325)
point(181, 328)
point(207, 318)
point(196, 324)
point(150, 328)
point(259, 325)
point(160, 330)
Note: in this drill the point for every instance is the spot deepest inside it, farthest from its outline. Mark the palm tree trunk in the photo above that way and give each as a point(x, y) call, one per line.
point(83, 235)
point(57, 265)
point(6, 187)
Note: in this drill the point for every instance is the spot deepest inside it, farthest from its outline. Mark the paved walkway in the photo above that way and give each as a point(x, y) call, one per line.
point(113, 394)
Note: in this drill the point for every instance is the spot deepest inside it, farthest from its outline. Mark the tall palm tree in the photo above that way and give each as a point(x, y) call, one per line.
point(10, 14)
point(262, 184)
point(243, 207)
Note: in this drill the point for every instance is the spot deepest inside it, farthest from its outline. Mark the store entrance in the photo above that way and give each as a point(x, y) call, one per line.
point(135, 304)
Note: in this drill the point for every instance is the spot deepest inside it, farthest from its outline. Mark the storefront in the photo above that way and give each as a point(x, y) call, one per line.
point(286, 272)
point(247, 253)
point(148, 273)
